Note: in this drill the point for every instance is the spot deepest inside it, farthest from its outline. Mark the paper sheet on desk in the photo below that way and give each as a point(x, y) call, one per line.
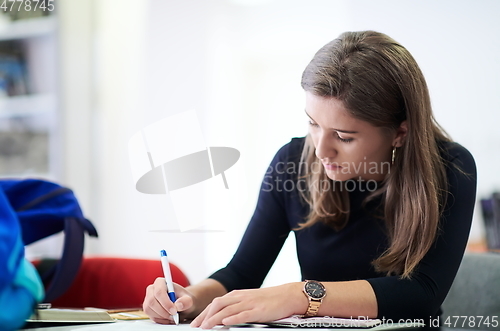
point(347, 324)
point(142, 325)
point(297, 321)
point(146, 325)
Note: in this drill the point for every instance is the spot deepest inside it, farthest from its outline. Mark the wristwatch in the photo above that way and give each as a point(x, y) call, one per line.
point(315, 292)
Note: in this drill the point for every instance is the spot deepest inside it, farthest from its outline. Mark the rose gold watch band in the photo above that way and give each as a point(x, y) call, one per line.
point(313, 308)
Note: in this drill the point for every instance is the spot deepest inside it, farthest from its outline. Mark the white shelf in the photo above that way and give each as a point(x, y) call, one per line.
point(28, 174)
point(27, 105)
point(33, 117)
point(28, 28)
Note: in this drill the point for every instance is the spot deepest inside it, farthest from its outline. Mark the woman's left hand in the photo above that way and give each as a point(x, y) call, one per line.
point(255, 305)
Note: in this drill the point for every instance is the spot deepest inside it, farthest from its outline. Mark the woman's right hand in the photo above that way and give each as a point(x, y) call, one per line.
point(159, 308)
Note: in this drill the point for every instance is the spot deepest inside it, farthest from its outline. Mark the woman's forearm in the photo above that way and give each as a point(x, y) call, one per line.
point(203, 294)
point(343, 299)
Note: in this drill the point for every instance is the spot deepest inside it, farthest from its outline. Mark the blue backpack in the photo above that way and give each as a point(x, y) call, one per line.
point(32, 209)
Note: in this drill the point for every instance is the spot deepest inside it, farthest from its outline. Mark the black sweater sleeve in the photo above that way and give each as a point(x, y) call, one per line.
point(422, 295)
point(265, 234)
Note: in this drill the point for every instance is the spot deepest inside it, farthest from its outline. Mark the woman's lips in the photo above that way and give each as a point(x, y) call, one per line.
point(332, 166)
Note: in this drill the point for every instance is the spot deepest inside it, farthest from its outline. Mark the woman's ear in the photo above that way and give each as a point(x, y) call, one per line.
point(400, 134)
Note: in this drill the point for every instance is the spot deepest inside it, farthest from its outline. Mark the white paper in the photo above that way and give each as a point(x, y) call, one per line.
point(326, 322)
point(141, 325)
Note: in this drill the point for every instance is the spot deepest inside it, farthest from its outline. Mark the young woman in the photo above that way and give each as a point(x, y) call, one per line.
point(378, 196)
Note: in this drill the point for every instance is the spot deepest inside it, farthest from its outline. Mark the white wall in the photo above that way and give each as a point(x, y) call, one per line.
point(456, 46)
point(239, 67)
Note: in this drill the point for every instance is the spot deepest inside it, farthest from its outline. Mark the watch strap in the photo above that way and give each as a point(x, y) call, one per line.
point(313, 308)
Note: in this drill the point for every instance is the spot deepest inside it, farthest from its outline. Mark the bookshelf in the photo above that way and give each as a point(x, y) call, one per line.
point(28, 28)
point(29, 96)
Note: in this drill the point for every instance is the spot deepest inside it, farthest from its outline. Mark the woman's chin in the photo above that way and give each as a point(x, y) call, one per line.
point(338, 176)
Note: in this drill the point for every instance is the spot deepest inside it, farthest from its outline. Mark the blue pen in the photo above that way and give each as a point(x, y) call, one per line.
point(168, 279)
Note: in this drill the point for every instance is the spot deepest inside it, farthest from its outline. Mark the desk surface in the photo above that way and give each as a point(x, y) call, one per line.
point(141, 325)
point(147, 325)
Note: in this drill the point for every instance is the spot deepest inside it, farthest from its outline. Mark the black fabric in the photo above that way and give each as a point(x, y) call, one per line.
point(43, 198)
point(67, 269)
point(325, 254)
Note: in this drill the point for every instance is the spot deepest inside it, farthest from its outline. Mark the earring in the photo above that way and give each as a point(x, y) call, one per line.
point(393, 154)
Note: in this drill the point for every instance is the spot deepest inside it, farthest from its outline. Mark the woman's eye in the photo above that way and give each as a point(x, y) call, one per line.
point(311, 123)
point(344, 140)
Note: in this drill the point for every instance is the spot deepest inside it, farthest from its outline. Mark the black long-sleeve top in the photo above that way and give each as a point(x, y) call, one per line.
point(325, 254)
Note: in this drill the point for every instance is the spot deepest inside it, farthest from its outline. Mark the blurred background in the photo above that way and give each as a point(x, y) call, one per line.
point(78, 81)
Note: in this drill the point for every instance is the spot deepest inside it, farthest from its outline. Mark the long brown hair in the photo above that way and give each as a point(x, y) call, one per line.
point(379, 82)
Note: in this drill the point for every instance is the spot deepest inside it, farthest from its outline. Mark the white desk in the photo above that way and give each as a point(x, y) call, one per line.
point(147, 325)
point(139, 325)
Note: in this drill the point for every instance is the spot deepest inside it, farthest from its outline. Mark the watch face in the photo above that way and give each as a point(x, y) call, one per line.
point(315, 290)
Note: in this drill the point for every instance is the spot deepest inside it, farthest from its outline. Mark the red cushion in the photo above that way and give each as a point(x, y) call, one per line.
point(114, 283)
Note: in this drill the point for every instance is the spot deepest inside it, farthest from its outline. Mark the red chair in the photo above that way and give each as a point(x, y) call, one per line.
point(111, 283)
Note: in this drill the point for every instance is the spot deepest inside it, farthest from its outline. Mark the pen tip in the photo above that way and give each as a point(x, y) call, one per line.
point(163, 252)
point(176, 319)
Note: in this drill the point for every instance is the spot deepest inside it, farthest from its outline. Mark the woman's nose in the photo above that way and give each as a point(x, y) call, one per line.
point(325, 148)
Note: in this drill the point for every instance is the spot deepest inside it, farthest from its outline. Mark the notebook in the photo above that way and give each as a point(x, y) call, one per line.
point(69, 316)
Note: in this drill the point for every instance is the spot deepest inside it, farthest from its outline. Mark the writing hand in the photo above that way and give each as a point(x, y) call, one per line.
point(159, 308)
point(255, 305)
